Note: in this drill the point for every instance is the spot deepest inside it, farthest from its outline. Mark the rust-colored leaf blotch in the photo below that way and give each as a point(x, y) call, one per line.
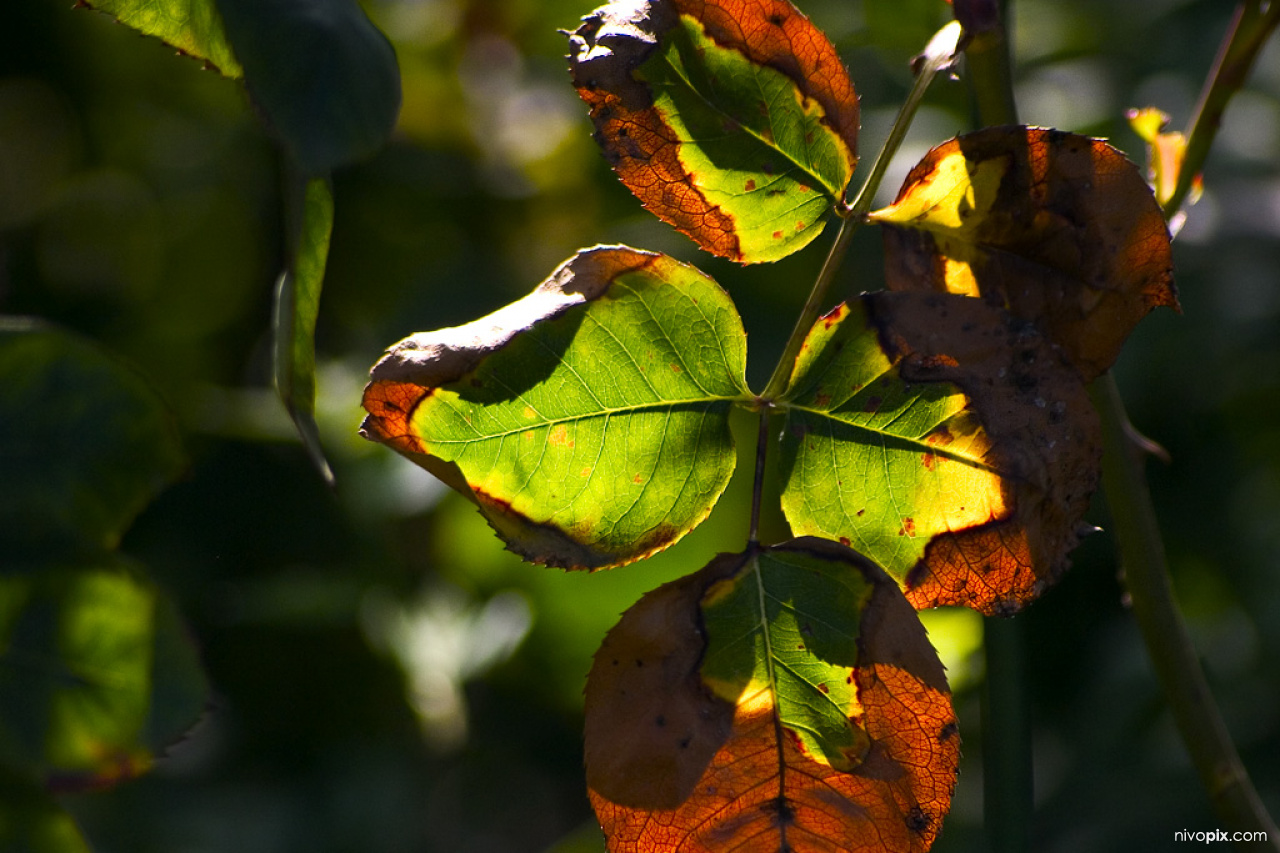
point(1061, 229)
point(671, 766)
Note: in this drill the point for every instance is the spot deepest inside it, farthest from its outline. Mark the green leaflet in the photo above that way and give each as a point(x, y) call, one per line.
point(753, 145)
point(878, 463)
point(786, 626)
point(85, 444)
point(297, 304)
point(96, 674)
point(590, 419)
point(192, 26)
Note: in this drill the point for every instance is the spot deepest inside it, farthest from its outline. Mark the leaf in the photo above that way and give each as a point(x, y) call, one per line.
point(739, 755)
point(1059, 228)
point(297, 304)
point(85, 444)
point(732, 120)
point(194, 27)
point(97, 674)
point(946, 441)
point(588, 420)
point(31, 821)
point(1166, 151)
point(324, 77)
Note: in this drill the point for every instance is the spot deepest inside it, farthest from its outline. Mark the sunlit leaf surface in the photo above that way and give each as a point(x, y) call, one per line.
point(1059, 228)
point(945, 440)
point(733, 120)
point(588, 420)
point(192, 26)
point(85, 444)
point(97, 675)
point(786, 699)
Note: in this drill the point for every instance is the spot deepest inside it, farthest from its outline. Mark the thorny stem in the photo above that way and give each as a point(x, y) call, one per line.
point(1007, 764)
point(937, 56)
point(1250, 29)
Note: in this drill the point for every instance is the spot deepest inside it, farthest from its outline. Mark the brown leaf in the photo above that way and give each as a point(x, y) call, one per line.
point(1059, 228)
point(726, 778)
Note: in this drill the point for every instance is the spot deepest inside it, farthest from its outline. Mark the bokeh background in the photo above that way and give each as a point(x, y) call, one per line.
point(386, 678)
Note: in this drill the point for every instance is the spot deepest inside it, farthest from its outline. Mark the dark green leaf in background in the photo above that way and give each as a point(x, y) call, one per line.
point(85, 444)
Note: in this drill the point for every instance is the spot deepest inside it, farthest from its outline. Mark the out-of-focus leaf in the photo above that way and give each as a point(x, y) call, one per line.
point(296, 307)
point(32, 822)
point(85, 444)
point(324, 76)
point(589, 420)
point(733, 120)
point(713, 704)
point(1059, 228)
point(944, 439)
point(192, 26)
point(97, 675)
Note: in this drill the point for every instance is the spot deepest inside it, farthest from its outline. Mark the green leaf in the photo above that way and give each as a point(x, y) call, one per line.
point(786, 625)
point(944, 440)
point(735, 122)
point(297, 304)
point(97, 674)
point(324, 76)
point(31, 821)
point(589, 420)
point(85, 444)
point(192, 26)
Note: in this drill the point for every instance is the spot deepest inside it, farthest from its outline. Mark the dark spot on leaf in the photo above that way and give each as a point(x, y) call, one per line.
point(860, 512)
point(684, 742)
point(917, 820)
point(751, 185)
point(824, 688)
point(844, 540)
point(872, 404)
point(639, 662)
point(777, 235)
point(660, 722)
point(774, 193)
point(804, 188)
point(947, 732)
point(777, 20)
point(928, 459)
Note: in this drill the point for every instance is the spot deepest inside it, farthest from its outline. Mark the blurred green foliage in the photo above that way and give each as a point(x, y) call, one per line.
point(385, 677)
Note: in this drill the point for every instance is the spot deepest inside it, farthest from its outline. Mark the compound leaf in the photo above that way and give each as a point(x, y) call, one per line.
point(97, 674)
point(588, 420)
point(945, 440)
point(733, 120)
point(1059, 228)
point(782, 699)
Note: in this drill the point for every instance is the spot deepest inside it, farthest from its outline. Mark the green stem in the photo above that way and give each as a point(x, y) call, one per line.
point(1169, 645)
point(938, 55)
point(1007, 759)
point(1249, 31)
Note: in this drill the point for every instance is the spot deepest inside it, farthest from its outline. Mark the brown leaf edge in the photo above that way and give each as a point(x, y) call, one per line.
point(1046, 442)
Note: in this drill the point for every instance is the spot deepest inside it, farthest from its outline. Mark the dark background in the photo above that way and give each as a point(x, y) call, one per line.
point(386, 677)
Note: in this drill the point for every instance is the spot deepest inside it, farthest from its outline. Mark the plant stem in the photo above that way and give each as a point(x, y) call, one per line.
point(1008, 778)
point(937, 55)
point(1169, 645)
point(1249, 31)
point(757, 485)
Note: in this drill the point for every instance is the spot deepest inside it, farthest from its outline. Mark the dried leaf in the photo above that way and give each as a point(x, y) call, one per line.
point(589, 420)
point(945, 440)
point(738, 770)
point(1059, 228)
point(732, 120)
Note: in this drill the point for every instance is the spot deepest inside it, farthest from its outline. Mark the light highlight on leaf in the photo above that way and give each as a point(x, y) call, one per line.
point(748, 778)
point(733, 120)
point(944, 440)
point(1059, 228)
point(588, 420)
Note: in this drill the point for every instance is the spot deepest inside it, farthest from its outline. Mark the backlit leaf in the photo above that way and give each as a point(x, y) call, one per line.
point(97, 674)
point(732, 120)
point(85, 444)
point(721, 704)
point(1165, 152)
point(1059, 228)
point(192, 26)
point(946, 441)
point(589, 420)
